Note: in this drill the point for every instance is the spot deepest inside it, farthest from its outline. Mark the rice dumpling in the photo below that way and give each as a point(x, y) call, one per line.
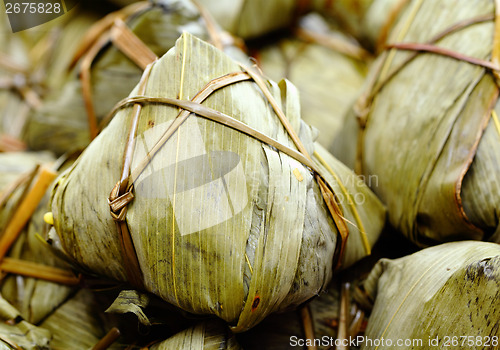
point(327, 67)
point(109, 63)
point(428, 124)
point(443, 296)
point(217, 211)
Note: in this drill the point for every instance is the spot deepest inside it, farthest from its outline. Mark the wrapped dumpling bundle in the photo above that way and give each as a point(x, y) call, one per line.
point(33, 62)
point(443, 296)
point(327, 67)
point(428, 124)
point(108, 65)
point(216, 212)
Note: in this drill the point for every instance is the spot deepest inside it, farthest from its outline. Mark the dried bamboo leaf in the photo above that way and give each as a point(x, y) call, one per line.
point(131, 301)
point(37, 298)
point(34, 298)
point(76, 324)
point(450, 290)
point(18, 333)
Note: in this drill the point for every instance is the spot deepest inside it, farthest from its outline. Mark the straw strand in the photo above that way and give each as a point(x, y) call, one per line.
point(444, 52)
